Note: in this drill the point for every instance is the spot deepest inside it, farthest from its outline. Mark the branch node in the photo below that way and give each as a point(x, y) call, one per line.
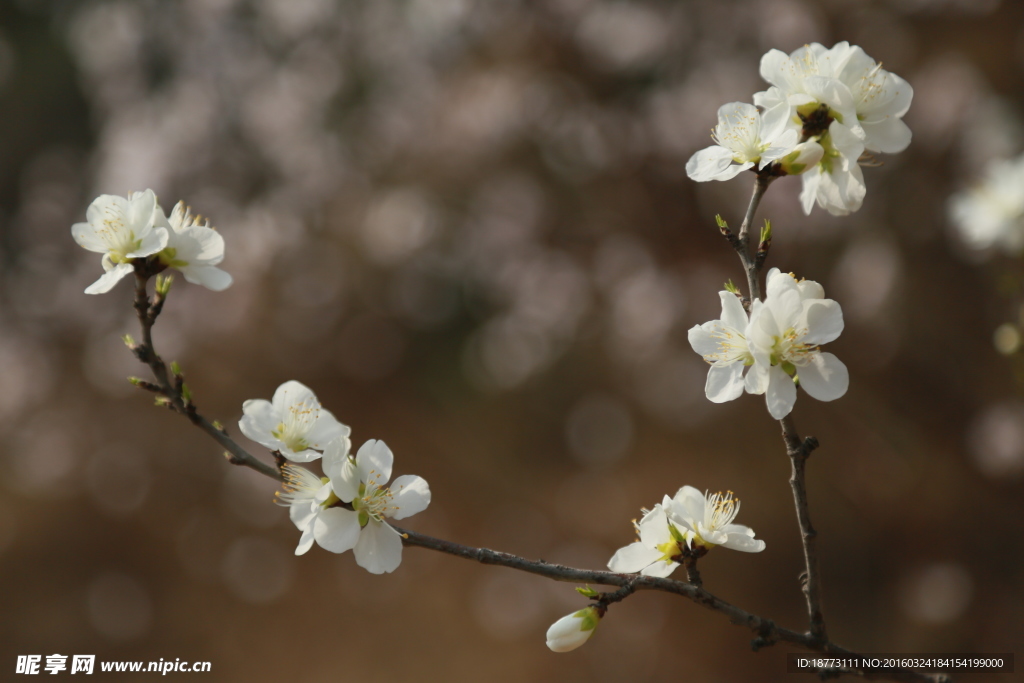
point(233, 459)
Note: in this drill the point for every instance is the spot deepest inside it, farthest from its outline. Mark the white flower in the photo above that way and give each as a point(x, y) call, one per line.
point(723, 344)
point(845, 100)
point(992, 214)
point(360, 481)
point(836, 182)
point(742, 141)
point(880, 98)
point(805, 88)
point(660, 542)
point(572, 630)
point(784, 335)
point(707, 520)
point(293, 423)
point(311, 500)
point(193, 249)
point(121, 229)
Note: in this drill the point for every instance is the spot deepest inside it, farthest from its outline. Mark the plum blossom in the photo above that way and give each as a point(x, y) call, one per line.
point(992, 213)
point(659, 545)
point(572, 630)
point(741, 142)
point(784, 337)
point(723, 344)
point(122, 229)
point(706, 519)
point(193, 249)
point(360, 483)
point(847, 102)
point(293, 423)
point(310, 501)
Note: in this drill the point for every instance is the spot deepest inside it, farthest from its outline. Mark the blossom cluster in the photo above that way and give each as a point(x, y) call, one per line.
point(824, 109)
point(134, 229)
point(347, 509)
point(687, 522)
point(686, 525)
point(775, 346)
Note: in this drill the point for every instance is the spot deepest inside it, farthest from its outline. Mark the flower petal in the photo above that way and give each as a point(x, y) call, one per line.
point(290, 394)
point(660, 569)
point(326, 429)
point(714, 163)
point(744, 543)
point(633, 558)
point(411, 495)
point(374, 458)
point(688, 506)
point(825, 377)
point(781, 393)
point(733, 313)
point(337, 529)
point(110, 278)
point(823, 320)
point(725, 382)
point(379, 549)
point(305, 540)
point(211, 277)
point(259, 419)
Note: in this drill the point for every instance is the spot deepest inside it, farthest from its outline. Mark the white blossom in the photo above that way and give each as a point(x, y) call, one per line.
point(847, 102)
point(784, 336)
point(880, 98)
point(193, 249)
point(311, 500)
point(723, 344)
point(836, 182)
point(742, 141)
point(121, 229)
point(707, 519)
point(659, 542)
point(992, 213)
point(293, 423)
point(572, 630)
point(361, 483)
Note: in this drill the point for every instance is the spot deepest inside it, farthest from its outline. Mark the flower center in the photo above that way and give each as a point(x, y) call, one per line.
point(719, 511)
point(789, 349)
point(296, 424)
point(373, 501)
point(732, 346)
point(298, 483)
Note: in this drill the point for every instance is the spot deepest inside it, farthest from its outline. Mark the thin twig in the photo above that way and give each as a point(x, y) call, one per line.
point(797, 450)
point(742, 245)
point(767, 631)
point(147, 312)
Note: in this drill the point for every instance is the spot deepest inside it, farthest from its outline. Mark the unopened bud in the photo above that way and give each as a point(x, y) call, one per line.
point(571, 631)
point(804, 156)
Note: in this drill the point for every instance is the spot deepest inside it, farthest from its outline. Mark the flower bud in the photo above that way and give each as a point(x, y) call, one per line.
point(571, 631)
point(804, 156)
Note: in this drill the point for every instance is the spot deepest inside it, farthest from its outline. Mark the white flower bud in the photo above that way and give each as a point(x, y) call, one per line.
point(572, 630)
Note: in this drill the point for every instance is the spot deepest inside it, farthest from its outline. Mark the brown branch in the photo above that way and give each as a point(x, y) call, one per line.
point(752, 263)
point(767, 631)
point(797, 450)
point(172, 390)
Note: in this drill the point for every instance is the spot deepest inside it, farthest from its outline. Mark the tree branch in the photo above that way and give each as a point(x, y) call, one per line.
point(173, 393)
point(797, 450)
point(766, 630)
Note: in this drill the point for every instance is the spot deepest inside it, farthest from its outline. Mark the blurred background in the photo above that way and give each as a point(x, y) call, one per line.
point(467, 226)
